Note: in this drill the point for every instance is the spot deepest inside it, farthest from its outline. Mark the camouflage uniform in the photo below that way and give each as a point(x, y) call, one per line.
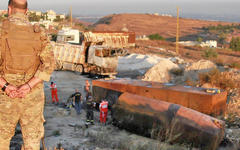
point(27, 111)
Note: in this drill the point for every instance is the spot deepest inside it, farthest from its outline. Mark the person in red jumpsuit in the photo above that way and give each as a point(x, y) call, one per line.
point(54, 93)
point(103, 111)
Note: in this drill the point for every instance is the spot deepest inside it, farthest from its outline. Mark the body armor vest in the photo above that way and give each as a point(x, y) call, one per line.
point(21, 47)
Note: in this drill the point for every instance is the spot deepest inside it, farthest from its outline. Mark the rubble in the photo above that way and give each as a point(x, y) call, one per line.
point(160, 72)
point(134, 65)
point(177, 60)
point(193, 70)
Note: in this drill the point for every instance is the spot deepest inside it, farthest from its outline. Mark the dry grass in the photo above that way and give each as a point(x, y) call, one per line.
point(177, 71)
point(232, 116)
point(235, 65)
point(223, 80)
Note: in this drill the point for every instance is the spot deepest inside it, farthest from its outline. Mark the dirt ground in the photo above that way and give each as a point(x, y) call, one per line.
point(65, 129)
point(146, 24)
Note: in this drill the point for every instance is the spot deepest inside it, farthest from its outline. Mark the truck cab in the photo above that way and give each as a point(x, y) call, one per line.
point(71, 36)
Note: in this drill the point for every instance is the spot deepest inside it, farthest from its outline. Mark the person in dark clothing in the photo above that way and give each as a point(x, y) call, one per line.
point(77, 99)
point(90, 106)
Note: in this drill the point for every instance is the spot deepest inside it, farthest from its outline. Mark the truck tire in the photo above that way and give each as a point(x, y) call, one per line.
point(79, 68)
point(59, 65)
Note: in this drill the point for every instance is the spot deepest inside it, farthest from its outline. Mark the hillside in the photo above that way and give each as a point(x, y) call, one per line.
point(146, 24)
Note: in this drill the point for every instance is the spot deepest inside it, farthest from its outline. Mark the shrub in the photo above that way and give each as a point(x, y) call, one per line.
point(235, 65)
point(54, 37)
point(222, 80)
point(156, 37)
point(177, 72)
point(210, 53)
point(199, 39)
point(56, 133)
point(235, 44)
point(104, 20)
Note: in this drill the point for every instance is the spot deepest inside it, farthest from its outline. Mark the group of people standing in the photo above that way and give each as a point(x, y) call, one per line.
point(89, 104)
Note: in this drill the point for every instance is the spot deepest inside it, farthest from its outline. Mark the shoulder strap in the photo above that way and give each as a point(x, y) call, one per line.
point(4, 31)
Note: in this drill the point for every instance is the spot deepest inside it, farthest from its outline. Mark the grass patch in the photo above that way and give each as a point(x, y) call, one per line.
point(210, 53)
point(156, 37)
point(235, 65)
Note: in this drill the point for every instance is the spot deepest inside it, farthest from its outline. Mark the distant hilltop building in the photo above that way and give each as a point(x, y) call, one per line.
point(209, 43)
point(142, 37)
point(38, 13)
point(167, 15)
point(157, 14)
point(51, 15)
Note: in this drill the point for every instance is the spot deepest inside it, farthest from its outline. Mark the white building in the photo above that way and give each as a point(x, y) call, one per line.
point(51, 15)
point(210, 43)
point(62, 16)
point(142, 37)
point(46, 23)
point(38, 13)
point(189, 43)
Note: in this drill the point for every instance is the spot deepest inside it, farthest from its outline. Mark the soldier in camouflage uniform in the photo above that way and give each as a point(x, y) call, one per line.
point(26, 60)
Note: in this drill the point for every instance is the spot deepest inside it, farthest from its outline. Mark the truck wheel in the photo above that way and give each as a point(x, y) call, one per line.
point(59, 65)
point(79, 68)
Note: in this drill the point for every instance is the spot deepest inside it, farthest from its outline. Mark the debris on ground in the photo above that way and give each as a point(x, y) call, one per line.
point(161, 71)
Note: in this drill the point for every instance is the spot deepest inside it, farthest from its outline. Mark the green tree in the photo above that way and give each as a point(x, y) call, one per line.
point(199, 39)
point(210, 53)
point(33, 17)
point(156, 37)
point(44, 16)
point(42, 25)
point(58, 19)
point(235, 44)
point(222, 38)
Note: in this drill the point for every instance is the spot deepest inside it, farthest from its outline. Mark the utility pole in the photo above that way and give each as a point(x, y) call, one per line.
point(177, 34)
point(71, 16)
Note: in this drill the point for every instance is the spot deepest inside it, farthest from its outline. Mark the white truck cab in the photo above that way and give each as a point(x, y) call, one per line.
point(68, 35)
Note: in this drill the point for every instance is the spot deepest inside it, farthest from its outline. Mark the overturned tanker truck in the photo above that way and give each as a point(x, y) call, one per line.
point(166, 112)
point(91, 52)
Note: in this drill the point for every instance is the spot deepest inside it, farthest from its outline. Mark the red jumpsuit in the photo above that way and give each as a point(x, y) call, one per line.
point(54, 92)
point(103, 111)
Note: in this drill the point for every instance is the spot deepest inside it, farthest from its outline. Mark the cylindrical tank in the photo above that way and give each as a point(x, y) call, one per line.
point(167, 122)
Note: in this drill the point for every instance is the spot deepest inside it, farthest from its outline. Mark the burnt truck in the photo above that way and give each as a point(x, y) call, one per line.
point(91, 52)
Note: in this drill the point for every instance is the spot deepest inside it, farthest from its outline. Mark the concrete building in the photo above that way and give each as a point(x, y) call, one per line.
point(46, 23)
point(142, 37)
point(189, 43)
point(62, 16)
point(210, 43)
point(38, 13)
point(51, 15)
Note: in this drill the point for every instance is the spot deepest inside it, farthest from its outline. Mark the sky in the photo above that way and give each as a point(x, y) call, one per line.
point(203, 9)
